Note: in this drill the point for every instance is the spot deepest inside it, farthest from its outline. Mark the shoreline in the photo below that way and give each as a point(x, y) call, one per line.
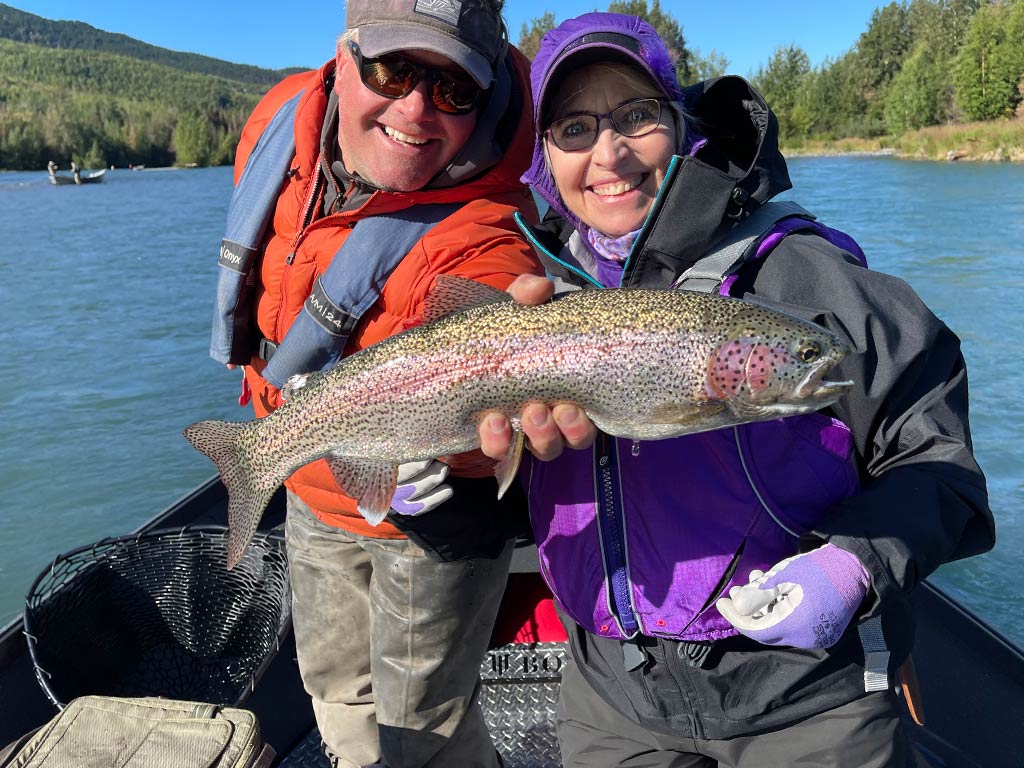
point(1015, 155)
point(993, 141)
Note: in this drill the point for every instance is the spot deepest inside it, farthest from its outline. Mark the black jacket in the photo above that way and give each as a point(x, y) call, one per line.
point(923, 500)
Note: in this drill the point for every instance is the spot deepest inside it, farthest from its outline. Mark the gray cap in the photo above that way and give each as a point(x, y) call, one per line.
point(471, 34)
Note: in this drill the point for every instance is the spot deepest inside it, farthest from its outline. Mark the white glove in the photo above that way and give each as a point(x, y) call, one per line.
point(805, 601)
point(421, 487)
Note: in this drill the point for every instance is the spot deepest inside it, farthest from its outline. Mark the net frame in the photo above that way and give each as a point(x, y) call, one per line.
point(157, 613)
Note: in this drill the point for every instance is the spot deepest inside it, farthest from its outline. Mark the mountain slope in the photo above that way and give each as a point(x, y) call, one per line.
point(69, 91)
point(23, 27)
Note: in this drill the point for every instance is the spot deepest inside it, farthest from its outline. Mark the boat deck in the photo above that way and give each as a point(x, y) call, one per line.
point(518, 705)
point(971, 678)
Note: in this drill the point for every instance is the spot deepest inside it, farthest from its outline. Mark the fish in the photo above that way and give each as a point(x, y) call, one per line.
point(645, 364)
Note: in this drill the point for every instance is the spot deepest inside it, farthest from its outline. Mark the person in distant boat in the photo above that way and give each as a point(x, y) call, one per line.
point(738, 597)
point(409, 143)
point(51, 168)
point(76, 173)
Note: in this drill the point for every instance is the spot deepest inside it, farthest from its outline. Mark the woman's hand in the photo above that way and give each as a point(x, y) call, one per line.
point(548, 430)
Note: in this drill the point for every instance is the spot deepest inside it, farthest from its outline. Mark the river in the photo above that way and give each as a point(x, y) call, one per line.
point(106, 293)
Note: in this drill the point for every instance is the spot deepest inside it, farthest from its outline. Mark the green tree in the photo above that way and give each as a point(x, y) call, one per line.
point(1015, 51)
point(780, 83)
point(883, 46)
point(913, 97)
point(704, 68)
point(941, 26)
point(880, 53)
point(529, 38)
point(95, 157)
point(986, 72)
point(193, 140)
point(670, 31)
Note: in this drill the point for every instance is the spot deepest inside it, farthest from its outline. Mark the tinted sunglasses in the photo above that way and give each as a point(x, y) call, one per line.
point(393, 76)
point(579, 131)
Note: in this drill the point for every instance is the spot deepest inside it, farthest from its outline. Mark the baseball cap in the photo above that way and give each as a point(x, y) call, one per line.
point(600, 36)
point(471, 34)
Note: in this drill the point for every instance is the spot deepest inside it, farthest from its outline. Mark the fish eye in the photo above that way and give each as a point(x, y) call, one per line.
point(809, 352)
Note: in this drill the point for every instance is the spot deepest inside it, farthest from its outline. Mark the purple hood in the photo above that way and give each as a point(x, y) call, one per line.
point(590, 37)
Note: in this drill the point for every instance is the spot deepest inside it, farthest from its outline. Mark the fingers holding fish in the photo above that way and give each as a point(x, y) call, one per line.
point(531, 289)
point(548, 431)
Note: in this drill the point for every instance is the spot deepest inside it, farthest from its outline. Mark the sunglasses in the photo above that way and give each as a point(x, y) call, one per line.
point(393, 76)
point(579, 131)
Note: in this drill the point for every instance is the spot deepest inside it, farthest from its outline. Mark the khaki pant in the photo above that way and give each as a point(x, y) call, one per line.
point(390, 644)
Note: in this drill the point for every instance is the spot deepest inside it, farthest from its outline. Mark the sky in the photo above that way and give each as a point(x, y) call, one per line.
point(286, 34)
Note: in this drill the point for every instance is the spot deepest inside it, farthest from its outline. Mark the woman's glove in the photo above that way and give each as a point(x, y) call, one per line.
point(805, 601)
point(421, 487)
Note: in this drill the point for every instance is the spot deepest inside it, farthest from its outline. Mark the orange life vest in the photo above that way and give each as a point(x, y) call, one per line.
point(480, 241)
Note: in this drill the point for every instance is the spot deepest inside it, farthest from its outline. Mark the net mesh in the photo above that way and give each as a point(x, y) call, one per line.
point(159, 614)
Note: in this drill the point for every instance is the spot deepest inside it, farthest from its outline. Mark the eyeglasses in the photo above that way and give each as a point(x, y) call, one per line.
point(393, 76)
point(634, 118)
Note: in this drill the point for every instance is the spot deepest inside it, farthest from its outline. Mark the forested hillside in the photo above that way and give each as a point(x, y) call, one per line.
point(69, 91)
point(919, 64)
point(22, 27)
point(72, 92)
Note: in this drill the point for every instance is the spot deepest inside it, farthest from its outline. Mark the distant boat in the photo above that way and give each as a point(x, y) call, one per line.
point(75, 177)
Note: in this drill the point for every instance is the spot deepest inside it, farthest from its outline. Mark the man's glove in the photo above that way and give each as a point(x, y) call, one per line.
point(805, 601)
point(421, 487)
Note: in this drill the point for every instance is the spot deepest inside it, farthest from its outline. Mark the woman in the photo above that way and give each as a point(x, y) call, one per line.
point(726, 594)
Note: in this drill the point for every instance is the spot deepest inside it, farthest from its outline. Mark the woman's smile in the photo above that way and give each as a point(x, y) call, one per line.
point(611, 185)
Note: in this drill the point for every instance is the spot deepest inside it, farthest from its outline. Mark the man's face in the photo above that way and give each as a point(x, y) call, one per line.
point(396, 144)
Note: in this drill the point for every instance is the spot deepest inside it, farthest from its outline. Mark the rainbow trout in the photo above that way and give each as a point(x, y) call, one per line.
point(644, 364)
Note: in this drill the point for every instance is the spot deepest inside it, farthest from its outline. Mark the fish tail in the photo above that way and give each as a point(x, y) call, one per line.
point(248, 495)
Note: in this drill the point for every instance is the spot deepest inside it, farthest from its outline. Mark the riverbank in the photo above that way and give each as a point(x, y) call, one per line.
point(989, 141)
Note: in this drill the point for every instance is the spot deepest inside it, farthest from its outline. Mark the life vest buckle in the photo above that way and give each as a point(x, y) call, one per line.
point(266, 349)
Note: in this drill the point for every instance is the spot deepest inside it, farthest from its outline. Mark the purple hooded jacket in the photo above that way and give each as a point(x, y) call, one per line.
point(642, 538)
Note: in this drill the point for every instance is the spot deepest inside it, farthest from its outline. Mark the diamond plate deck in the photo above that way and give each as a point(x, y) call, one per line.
point(519, 693)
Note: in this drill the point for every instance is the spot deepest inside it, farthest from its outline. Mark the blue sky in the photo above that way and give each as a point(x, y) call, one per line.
point(283, 34)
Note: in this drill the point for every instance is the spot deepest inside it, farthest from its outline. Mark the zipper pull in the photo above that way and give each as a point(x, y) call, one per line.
point(291, 258)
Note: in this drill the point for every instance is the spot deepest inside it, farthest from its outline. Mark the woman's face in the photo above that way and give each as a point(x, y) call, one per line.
point(612, 184)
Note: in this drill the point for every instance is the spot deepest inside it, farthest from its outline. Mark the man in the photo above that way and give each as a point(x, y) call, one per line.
point(414, 138)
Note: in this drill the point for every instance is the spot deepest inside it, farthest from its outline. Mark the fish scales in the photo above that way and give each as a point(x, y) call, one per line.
point(644, 364)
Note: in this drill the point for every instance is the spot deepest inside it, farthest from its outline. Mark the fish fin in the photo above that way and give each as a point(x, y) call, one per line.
point(371, 483)
point(509, 465)
point(680, 413)
point(248, 493)
point(451, 294)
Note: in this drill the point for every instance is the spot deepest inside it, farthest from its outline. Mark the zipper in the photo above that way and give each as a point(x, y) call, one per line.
point(611, 529)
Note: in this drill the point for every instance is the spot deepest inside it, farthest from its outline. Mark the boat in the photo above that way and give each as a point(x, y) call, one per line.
point(75, 177)
point(971, 678)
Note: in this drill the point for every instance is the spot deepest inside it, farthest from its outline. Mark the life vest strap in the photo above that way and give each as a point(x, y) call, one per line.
point(729, 254)
point(351, 284)
point(252, 204)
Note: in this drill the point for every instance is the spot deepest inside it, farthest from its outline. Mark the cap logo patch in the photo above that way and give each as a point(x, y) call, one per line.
point(446, 10)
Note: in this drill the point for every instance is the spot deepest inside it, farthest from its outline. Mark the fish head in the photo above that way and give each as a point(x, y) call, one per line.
point(770, 365)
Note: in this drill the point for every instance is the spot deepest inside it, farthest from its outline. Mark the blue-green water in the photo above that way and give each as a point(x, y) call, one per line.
point(106, 293)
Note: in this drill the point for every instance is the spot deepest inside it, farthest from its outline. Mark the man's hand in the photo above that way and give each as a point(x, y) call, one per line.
point(548, 430)
point(421, 487)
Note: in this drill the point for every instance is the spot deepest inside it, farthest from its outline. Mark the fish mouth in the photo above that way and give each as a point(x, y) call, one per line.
point(815, 387)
